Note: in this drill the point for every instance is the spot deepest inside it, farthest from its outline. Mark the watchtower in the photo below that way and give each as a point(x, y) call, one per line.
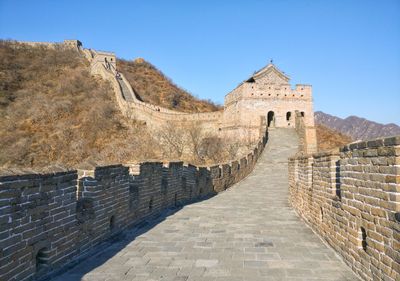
point(266, 94)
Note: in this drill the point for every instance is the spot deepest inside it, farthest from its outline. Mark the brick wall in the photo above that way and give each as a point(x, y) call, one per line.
point(49, 221)
point(307, 134)
point(352, 199)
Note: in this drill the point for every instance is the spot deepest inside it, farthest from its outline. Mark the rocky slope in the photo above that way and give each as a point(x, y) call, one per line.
point(355, 127)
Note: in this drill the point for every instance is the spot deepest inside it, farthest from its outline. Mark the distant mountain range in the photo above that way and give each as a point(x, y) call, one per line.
point(357, 128)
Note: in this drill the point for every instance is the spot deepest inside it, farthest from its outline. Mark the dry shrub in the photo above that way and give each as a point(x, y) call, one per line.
point(54, 112)
point(154, 87)
point(192, 143)
point(328, 139)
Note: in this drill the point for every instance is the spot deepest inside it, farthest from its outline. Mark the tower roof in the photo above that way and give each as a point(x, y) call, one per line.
point(271, 74)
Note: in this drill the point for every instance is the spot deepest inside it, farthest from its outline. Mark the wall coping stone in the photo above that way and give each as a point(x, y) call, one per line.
point(374, 143)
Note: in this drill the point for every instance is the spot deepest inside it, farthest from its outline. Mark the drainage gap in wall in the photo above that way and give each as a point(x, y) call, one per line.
point(321, 215)
point(363, 238)
point(112, 223)
point(42, 259)
point(337, 180)
point(151, 204)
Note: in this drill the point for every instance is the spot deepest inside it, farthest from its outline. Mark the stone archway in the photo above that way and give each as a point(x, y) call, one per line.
point(288, 118)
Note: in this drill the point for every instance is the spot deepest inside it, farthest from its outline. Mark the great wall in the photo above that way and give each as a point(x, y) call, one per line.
point(51, 222)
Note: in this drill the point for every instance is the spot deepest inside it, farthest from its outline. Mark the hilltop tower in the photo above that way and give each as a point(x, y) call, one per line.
point(268, 94)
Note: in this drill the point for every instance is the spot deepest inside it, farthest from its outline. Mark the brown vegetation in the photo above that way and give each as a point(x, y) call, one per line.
point(191, 143)
point(329, 139)
point(154, 87)
point(52, 111)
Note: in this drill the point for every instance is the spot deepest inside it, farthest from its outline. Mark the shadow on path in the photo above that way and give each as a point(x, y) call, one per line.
point(108, 249)
point(247, 233)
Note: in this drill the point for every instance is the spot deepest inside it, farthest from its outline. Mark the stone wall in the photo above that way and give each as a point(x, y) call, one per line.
point(352, 200)
point(307, 134)
point(154, 116)
point(70, 44)
point(50, 221)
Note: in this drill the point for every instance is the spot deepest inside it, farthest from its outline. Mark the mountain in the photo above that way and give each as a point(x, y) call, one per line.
point(355, 127)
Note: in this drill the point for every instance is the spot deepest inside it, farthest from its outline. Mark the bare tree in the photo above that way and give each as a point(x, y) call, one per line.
point(172, 139)
point(196, 135)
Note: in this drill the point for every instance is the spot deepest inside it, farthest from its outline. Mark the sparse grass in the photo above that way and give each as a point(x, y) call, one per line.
point(54, 112)
point(328, 139)
point(154, 87)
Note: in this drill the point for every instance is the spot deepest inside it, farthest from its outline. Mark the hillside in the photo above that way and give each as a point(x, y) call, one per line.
point(355, 127)
point(152, 86)
point(328, 139)
point(53, 112)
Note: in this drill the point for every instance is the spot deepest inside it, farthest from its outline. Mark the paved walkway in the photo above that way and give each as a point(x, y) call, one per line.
point(248, 232)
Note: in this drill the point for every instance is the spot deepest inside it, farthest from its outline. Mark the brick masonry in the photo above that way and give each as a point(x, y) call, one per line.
point(351, 199)
point(48, 221)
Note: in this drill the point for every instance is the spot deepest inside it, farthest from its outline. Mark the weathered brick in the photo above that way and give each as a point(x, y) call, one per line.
point(369, 198)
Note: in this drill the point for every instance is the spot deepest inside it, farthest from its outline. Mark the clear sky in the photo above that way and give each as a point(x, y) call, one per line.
point(348, 50)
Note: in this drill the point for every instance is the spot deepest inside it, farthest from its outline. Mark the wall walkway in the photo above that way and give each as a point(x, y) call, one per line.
point(248, 232)
point(52, 220)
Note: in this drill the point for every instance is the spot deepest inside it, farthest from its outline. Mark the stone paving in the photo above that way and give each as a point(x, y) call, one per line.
point(248, 232)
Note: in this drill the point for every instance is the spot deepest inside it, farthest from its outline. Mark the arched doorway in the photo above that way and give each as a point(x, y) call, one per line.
point(271, 119)
point(288, 117)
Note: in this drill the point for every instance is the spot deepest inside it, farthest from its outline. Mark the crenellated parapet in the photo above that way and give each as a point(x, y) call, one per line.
point(351, 199)
point(50, 221)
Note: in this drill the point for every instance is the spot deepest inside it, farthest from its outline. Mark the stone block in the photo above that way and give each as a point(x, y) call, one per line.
point(392, 141)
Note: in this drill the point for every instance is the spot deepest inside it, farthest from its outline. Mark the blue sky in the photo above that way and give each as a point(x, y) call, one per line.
point(348, 50)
